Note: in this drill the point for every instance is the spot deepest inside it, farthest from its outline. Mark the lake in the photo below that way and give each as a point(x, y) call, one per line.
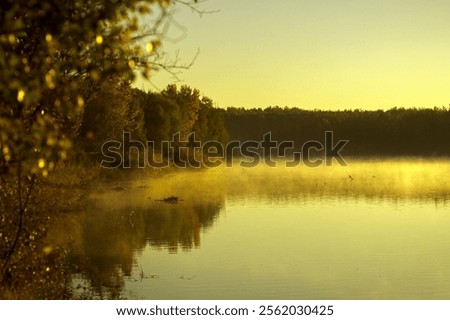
point(376, 229)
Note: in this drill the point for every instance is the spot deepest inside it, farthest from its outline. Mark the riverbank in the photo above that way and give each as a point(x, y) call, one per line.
point(35, 245)
point(33, 256)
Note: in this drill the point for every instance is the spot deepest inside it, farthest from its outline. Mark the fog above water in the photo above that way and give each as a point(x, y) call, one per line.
point(412, 179)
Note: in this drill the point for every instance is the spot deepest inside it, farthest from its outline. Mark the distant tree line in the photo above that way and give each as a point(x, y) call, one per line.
point(398, 131)
point(157, 116)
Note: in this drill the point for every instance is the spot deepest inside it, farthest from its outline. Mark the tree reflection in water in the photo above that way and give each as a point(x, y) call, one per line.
point(104, 255)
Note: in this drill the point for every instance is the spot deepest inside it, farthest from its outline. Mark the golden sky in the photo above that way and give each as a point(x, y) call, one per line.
point(328, 54)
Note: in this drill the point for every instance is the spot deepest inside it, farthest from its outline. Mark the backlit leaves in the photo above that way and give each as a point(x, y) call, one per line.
point(53, 58)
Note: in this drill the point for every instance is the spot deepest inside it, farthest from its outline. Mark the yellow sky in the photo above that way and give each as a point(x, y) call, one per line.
point(326, 54)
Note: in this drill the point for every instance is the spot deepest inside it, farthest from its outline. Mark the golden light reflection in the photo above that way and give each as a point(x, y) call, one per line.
point(20, 95)
point(49, 79)
point(41, 163)
point(6, 153)
point(80, 102)
point(99, 39)
point(149, 47)
point(11, 38)
point(47, 249)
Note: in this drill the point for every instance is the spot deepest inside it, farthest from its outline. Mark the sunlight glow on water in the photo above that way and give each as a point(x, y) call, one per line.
point(267, 233)
point(296, 251)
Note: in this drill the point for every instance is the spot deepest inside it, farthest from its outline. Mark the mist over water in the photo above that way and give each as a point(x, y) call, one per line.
point(375, 229)
point(413, 179)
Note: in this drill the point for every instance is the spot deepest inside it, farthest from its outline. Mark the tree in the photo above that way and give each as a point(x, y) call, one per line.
point(188, 100)
point(55, 57)
point(108, 114)
point(210, 124)
point(50, 51)
point(162, 120)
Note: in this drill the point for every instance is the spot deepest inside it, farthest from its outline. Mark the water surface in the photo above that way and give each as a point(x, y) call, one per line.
point(377, 229)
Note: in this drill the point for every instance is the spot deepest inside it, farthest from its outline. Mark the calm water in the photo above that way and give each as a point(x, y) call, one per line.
point(265, 233)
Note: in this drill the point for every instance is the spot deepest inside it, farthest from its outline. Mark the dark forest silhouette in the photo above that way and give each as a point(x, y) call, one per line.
point(395, 132)
point(157, 116)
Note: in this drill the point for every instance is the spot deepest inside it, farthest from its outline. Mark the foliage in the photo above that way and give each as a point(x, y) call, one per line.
point(53, 58)
point(161, 117)
point(108, 114)
point(181, 111)
point(210, 124)
point(38, 267)
point(188, 101)
point(393, 132)
point(59, 64)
